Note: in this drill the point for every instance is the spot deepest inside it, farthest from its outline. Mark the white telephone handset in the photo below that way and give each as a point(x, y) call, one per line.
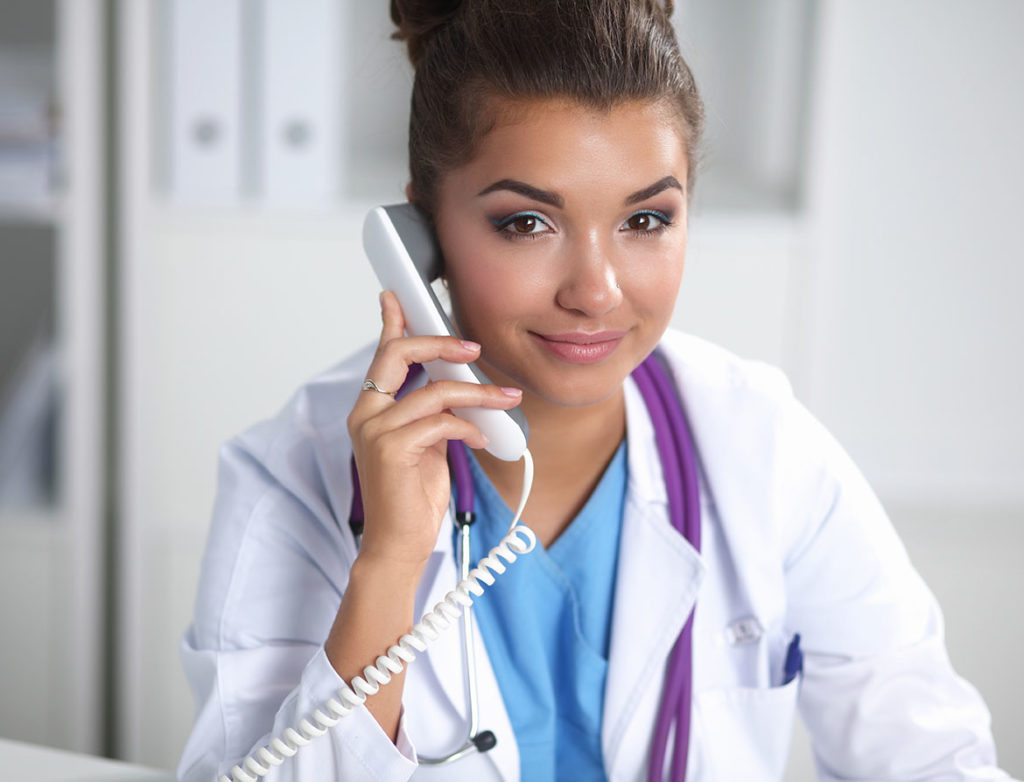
point(404, 253)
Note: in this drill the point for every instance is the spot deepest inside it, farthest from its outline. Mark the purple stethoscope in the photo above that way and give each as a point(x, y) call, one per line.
point(679, 465)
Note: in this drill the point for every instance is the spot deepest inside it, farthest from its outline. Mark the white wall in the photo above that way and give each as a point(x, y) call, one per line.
point(912, 332)
point(915, 355)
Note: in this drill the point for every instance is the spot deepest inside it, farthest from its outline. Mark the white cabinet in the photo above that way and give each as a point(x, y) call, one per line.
point(52, 454)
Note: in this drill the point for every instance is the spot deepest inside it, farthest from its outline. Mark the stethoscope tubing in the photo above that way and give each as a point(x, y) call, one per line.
point(468, 650)
point(679, 679)
point(678, 461)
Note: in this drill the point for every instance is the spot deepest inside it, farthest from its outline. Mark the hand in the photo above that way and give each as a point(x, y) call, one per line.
point(400, 447)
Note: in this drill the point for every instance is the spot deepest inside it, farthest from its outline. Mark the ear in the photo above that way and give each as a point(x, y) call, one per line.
point(408, 194)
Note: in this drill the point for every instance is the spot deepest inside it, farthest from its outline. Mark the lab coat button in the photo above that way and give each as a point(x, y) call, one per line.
point(744, 631)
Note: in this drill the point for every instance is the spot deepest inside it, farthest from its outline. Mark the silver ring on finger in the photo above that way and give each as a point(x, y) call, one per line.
point(369, 385)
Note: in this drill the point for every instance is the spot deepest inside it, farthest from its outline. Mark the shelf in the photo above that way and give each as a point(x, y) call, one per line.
point(29, 152)
point(28, 525)
point(41, 212)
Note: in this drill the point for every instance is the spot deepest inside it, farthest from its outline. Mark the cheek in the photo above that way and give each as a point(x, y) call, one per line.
point(481, 292)
point(493, 287)
point(474, 296)
point(655, 288)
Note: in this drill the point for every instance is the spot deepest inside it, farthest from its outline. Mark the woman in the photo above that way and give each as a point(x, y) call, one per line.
point(552, 144)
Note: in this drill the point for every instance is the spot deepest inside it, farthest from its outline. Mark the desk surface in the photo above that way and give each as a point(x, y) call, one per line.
point(32, 763)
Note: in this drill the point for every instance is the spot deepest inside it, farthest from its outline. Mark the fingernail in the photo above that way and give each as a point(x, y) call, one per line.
point(511, 391)
point(380, 298)
point(470, 345)
point(485, 439)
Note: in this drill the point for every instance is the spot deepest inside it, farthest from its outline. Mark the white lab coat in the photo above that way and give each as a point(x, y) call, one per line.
point(793, 541)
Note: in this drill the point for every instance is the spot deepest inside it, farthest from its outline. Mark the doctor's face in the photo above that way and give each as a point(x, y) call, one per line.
point(564, 242)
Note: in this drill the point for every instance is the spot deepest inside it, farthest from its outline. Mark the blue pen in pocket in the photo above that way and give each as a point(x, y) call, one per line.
point(794, 663)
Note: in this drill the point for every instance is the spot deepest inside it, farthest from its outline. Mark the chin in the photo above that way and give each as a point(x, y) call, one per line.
point(581, 398)
point(565, 386)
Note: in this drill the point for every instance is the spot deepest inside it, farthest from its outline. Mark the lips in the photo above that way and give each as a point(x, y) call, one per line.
point(579, 347)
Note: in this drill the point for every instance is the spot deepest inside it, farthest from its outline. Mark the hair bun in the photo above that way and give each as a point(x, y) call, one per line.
point(418, 20)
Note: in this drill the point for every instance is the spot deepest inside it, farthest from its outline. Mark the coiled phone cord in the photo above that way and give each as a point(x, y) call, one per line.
point(519, 540)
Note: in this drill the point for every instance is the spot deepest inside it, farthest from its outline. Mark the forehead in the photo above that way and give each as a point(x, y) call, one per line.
point(565, 146)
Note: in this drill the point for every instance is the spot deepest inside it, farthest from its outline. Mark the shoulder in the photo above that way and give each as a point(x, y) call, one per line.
point(318, 409)
point(772, 469)
point(732, 403)
point(279, 521)
point(710, 366)
point(742, 413)
point(715, 382)
point(304, 448)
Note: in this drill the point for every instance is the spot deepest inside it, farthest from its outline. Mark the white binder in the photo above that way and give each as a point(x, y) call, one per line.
point(205, 107)
point(300, 101)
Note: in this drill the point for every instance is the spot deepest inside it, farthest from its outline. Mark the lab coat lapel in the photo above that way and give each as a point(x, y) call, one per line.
point(732, 427)
point(658, 577)
point(445, 656)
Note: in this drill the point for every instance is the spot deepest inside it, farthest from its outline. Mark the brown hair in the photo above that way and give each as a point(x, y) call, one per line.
point(468, 53)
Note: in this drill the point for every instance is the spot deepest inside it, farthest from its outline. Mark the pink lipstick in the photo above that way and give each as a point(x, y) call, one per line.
point(577, 347)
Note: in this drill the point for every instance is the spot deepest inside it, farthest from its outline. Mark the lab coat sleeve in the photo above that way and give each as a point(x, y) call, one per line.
point(272, 579)
point(879, 696)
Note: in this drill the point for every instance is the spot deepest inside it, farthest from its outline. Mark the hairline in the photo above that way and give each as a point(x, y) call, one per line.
point(518, 108)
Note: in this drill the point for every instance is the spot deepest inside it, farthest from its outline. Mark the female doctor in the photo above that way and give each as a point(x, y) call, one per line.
point(552, 145)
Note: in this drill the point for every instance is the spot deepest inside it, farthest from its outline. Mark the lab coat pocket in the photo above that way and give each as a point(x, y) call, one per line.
point(745, 731)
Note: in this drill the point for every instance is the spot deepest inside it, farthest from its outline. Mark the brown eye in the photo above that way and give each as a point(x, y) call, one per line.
point(526, 224)
point(646, 222)
point(523, 225)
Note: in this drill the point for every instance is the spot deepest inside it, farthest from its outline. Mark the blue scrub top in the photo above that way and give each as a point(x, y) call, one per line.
point(546, 623)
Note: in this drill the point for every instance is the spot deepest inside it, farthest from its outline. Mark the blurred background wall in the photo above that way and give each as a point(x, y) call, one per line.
point(182, 185)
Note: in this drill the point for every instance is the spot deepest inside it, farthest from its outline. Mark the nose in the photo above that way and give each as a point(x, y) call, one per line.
point(590, 285)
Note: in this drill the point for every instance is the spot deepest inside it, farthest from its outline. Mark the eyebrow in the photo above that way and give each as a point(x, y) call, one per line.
point(652, 190)
point(535, 193)
point(553, 199)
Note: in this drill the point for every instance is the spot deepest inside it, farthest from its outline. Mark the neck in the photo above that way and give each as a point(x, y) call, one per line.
point(571, 448)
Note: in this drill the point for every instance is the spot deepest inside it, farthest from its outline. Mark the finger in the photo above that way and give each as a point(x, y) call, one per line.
point(391, 363)
point(392, 318)
point(447, 395)
point(408, 443)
